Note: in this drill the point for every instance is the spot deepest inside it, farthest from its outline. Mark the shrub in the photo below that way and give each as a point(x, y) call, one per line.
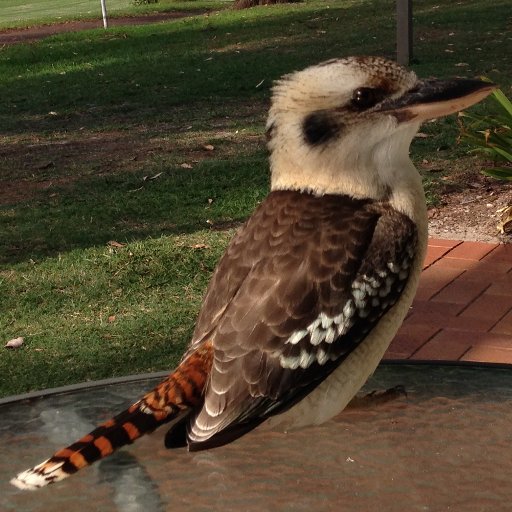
point(492, 135)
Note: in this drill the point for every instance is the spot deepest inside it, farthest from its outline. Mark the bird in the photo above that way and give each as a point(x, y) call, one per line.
point(313, 287)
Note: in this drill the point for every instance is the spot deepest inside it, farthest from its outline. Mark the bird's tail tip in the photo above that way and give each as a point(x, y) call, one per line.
point(39, 476)
point(172, 399)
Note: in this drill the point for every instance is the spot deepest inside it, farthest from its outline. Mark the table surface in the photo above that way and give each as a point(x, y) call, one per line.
point(447, 446)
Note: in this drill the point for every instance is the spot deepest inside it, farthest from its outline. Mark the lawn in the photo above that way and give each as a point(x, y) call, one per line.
point(129, 156)
point(20, 13)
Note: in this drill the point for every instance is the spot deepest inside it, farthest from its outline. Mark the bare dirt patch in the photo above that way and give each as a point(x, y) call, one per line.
point(31, 168)
point(470, 204)
point(36, 167)
point(24, 35)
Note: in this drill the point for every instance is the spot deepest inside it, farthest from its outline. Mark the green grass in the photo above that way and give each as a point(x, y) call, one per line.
point(19, 13)
point(87, 118)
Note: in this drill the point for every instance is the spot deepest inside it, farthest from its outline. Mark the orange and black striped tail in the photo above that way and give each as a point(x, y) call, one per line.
point(174, 397)
point(123, 429)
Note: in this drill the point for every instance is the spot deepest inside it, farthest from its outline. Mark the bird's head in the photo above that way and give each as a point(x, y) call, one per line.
point(345, 125)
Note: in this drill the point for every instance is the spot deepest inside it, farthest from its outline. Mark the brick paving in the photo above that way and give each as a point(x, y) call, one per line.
point(463, 308)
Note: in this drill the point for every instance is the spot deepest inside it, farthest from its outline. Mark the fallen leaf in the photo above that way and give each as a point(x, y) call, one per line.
point(208, 147)
point(111, 318)
point(200, 246)
point(113, 243)
point(15, 343)
point(421, 135)
point(186, 166)
point(505, 224)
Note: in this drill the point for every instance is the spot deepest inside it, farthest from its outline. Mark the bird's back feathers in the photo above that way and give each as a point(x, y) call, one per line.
point(315, 275)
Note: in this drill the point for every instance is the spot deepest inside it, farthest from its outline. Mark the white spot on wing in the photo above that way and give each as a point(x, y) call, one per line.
point(321, 356)
point(306, 359)
point(317, 336)
point(291, 362)
point(296, 337)
point(325, 320)
point(359, 296)
point(330, 335)
point(370, 296)
point(349, 309)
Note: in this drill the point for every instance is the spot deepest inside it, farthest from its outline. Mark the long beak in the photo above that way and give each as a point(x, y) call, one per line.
point(436, 98)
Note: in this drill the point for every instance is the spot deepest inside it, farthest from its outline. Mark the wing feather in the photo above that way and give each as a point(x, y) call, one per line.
point(297, 290)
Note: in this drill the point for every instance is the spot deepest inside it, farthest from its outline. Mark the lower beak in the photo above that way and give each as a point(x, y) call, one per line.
point(436, 98)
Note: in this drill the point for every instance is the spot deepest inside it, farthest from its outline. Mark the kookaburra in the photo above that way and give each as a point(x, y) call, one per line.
point(312, 289)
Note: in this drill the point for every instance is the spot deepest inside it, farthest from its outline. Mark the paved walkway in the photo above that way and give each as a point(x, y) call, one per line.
point(463, 308)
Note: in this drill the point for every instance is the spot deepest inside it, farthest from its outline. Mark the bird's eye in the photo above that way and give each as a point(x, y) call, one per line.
point(366, 97)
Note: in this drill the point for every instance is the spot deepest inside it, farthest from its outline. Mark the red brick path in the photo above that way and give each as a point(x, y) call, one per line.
point(463, 308)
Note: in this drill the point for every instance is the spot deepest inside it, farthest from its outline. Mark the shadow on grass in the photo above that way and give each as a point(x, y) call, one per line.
point(125, 208)
point(141, 73)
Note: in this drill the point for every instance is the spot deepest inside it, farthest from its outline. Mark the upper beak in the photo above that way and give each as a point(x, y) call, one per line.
point(429, 99)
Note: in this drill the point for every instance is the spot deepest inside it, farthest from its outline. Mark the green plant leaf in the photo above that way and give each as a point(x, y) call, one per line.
point(505, 154)
point(502, 173)
point(491, 135)
point(503, 101)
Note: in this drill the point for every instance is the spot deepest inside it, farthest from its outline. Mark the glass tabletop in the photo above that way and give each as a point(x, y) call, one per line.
point(446, 446)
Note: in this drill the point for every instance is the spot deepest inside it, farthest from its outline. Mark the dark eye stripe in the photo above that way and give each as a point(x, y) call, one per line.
point(320, 127)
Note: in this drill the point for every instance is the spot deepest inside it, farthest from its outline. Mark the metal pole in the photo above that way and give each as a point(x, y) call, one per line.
point(104, 13)
point(403, 31)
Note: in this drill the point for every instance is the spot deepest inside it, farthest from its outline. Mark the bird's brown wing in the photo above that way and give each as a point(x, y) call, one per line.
point(298, 288)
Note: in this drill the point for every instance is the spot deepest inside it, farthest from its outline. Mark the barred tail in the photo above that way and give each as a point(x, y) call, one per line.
point(123, 429)
point(171, 399)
